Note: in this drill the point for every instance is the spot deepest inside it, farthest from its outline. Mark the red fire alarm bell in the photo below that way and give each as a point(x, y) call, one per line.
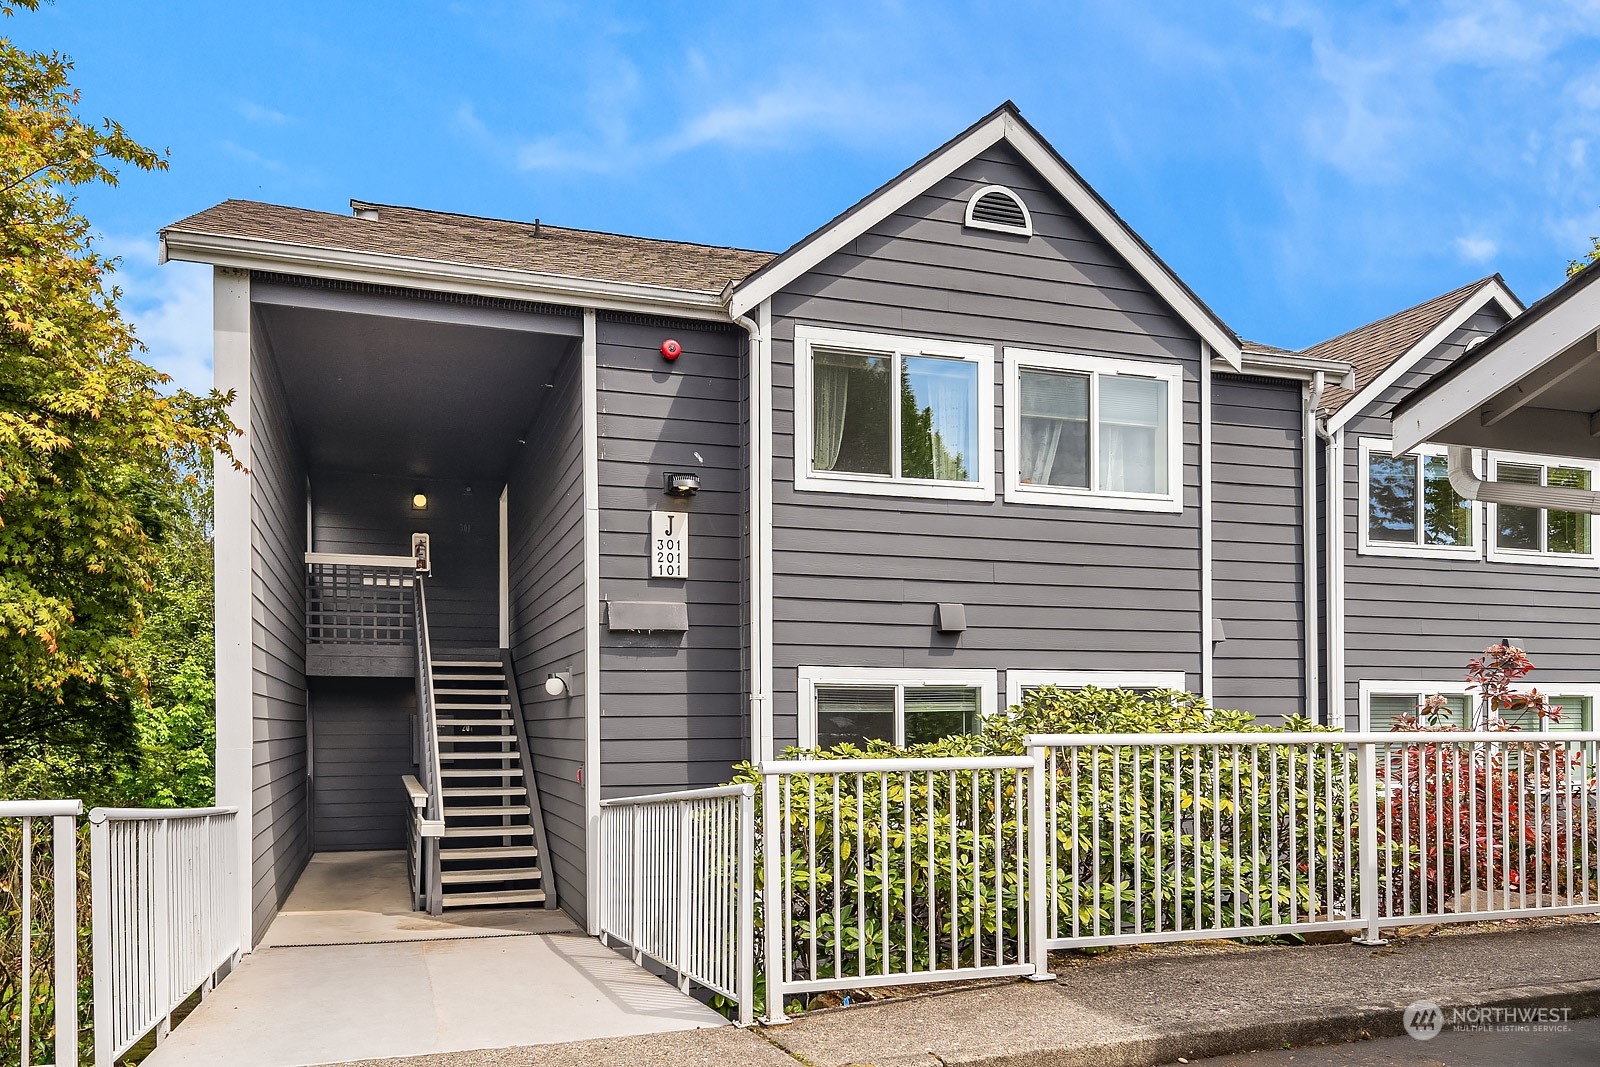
point(671, 349)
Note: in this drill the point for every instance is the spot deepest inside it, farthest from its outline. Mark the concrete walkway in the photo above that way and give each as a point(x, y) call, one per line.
point(1137, 1007)
point(348, 972)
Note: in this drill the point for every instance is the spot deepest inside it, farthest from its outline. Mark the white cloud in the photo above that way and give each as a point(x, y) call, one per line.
point(1475, 248)
point(169, 307)
point(260, 113)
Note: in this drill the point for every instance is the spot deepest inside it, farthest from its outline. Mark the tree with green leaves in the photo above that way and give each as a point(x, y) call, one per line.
point(100, 459)
point(1578, 264)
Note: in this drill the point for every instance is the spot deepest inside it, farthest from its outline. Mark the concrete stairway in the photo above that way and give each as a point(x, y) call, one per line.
point(490, 852)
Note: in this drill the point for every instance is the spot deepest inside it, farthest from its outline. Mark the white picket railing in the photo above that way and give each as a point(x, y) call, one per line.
point(892, 871)
point(679, 886)
point(164, 899)
point(63, 912)
point(886, 872)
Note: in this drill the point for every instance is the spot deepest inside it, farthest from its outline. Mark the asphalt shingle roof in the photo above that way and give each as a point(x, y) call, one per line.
point(468, 239)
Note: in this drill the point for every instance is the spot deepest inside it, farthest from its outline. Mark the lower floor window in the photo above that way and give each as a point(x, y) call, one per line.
point(1385, 709)
point(1021, 683)
point(1385, 703)
point(856, 705)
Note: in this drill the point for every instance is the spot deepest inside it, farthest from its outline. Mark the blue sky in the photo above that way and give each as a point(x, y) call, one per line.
point(1304, 167)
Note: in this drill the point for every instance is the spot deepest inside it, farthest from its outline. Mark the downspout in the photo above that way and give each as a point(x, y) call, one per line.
point(760, 485)
point(1554, 498)
point(1207, 623)
point(1333, 545)
point(1312, 399)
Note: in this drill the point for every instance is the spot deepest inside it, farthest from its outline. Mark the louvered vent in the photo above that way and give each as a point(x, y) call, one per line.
point(994, 207)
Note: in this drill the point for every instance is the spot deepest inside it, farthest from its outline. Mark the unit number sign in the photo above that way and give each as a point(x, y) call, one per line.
point(669, 544)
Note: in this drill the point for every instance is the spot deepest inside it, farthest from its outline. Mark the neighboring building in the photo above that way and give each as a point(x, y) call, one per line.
point(971, 437)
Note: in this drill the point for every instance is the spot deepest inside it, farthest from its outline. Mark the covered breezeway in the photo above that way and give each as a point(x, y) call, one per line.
point(348, 971)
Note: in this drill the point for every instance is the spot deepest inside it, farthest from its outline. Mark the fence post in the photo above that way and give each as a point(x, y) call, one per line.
point(100, 920)
point(685, 873)
point(635, 865)
point(1367, 808)
point(747, 906)
point(65, 852)
point(774, 910)
point(1039, 847)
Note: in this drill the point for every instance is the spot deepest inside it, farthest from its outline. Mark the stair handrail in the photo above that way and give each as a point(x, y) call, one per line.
point(530, 777)
point(433, 777)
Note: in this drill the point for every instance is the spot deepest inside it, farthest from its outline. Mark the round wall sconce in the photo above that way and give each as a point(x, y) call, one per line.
point(419, 502)
point(681, 484)
point(558, 683)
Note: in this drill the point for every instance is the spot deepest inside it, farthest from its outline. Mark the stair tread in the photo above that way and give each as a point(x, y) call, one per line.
point(475, 722)
point(496, 664)
point(486, 831)
point(481, 772)
point(488, 852)
point(470, 692)
point(491, 874)
point(499, 896)
point(486, 791)
point(472, 707)
point(488, 809)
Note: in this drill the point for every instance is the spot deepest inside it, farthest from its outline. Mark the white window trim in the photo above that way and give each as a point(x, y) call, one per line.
point(1018, 680)
point(807, 480)
point(1365, 546)
point(985, 681)
point(1025, 230)
point(1367, 689)
point(1592, 692)
point(1016, 359)
point(1545, 559)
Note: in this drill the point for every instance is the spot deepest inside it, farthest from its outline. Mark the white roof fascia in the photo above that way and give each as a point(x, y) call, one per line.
point(374, 268)
point(793, 264)
point(1293, 365)
point(1491, 290)
point(1536, 345)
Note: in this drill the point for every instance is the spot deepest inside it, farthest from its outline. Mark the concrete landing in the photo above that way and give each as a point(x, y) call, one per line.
point(407, 988)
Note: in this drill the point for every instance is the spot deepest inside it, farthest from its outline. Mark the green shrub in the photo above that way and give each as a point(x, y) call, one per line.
point(896, 856)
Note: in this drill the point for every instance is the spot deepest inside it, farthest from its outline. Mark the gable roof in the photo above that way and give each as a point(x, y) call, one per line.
point(1004, 123)
point(438, 236)
point(1383, 350)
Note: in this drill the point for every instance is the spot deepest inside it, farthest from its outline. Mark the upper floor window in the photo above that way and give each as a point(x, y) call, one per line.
point(900, 706)
point(1409, 506)
point(901, 416)
point(1093, 431)
point(1540, 535)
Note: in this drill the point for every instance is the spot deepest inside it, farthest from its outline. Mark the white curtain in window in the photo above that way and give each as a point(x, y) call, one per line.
point(1133, 434)
point(949, 387)
point(1050, 403)
point(830, 391)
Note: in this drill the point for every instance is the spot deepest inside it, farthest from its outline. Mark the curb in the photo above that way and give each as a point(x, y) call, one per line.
point(1340, 1026)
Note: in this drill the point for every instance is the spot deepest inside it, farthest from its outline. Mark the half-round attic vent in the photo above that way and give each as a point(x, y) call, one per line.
point(994, 207)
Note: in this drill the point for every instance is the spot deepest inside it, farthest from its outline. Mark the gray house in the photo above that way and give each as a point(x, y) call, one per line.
point(536, 516)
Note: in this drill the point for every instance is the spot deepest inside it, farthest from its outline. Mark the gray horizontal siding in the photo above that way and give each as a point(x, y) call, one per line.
point(672, 714)
point(545, 551)
point(1258, 540)
point(366, 513)
point(361, 741)
point(281, 844)
point(1423, 619)
point(856, 577)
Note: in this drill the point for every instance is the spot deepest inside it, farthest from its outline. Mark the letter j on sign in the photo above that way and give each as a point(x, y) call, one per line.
point(669, 544)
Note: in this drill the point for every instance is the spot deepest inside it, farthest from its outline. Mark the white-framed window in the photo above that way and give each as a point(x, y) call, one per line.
point(895, 416)
point(1540, 535)
point(1409, 507)
point(1093, 431)
point(1019, 683)
point(1383, 702)
point(902, 705)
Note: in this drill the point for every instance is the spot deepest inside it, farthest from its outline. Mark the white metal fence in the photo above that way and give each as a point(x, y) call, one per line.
point(165, 916)
point(680, 885)
point(883, 872)
point(51, 922)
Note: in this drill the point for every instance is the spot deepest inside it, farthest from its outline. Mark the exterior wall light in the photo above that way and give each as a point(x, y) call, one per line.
point(419, 502)
point(681, 484)
point(558, 683)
